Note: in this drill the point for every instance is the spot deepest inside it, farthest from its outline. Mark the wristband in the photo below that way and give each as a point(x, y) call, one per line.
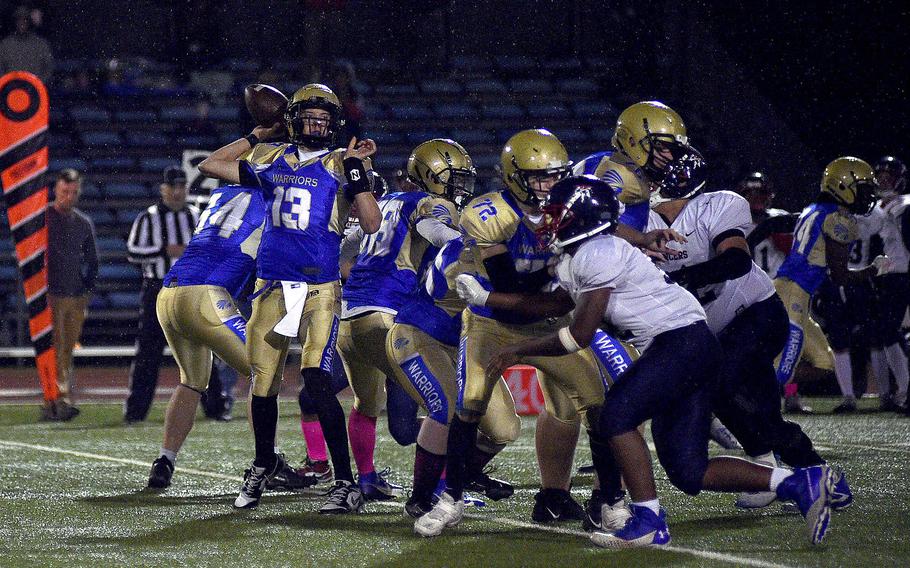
point(356, 174)
point(568, 342)
point(252, 139)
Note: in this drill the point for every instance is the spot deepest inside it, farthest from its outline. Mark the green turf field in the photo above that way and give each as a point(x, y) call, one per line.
point(72, 495)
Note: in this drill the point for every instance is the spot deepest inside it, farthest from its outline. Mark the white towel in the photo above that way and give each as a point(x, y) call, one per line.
point(294, 300)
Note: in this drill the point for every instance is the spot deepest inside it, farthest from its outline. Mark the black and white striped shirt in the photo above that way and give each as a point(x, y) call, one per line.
point(152, 232)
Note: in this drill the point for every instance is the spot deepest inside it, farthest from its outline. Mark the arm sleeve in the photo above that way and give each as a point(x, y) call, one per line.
point(435, 231)
point(90, 253)
point(504, 277)
point(729, 265)
point(771, 225)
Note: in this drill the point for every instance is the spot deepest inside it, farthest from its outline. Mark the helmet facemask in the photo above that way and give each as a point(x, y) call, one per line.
point(561, 226)
point(460, 186)
point(530, 182)
point(683, 174)
point(864, 197)
point(323, 131)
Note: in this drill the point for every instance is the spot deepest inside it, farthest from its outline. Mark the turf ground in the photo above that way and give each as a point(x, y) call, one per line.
point(72, 495)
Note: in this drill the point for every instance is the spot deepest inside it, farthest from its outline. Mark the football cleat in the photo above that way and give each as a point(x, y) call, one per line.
point(793, 405)
point(469, 500)
point(445, 513)
point(722, 436)
point(289, 479)
point(551, 505)
point(846, 406)
point(599, 514)
point(811, 488)
point(886, 403)
point(587, 469)
point(375, 487)
point(643, 528)
point(162, 471)
point(254, 482)
point(494, 489)
point(416, 508)
point(319, 470)
point(842, 496)
point(344, 497)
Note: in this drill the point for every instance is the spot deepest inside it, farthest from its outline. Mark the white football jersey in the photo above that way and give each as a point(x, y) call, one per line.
point(709, 218)
point(886, 220)
point(644, 302)
point(867, 226)
point(767, 256)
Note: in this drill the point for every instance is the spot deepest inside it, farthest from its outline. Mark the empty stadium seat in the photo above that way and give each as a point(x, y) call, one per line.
point(157, 164)
point(178, 114)
point(102, 217)
point(126, 190)
point(194, 142)
point(468, 137)
point(577, 85)
point(118, 164)
point(412, 111)
point(548, 110)
point(98, 302)
point(140, 139)
point(441, 87)
point(422, 135)
point(224, 113)
point(101, 138)
point(484, 86)
point(110, 244)
point(123, 300)
point(399, 90)
point(587, 109)
point(501, 110)
point(57, 164)
point(118, 272)
point(89, 114)
point(539, 86)
point(146, 116)
point(457, 110)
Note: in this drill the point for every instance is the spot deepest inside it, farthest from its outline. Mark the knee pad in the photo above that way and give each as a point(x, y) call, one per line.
point(501, 432)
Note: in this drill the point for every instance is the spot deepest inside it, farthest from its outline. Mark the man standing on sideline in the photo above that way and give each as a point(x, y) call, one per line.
point(157, 239)
point(72, 267)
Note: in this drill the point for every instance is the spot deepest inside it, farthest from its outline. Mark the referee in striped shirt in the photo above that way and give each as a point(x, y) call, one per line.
point(157, 239)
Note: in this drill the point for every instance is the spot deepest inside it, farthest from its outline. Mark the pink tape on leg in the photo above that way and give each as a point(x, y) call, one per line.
point(362, 432)
point(791, 389)
point(315, 442)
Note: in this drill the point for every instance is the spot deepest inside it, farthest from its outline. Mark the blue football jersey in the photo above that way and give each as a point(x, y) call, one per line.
point(436, 308)
point(307, 210)
point(385, 274)
point(223, 249)
point(806, 264)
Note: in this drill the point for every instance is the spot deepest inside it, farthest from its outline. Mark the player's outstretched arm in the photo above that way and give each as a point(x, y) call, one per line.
point(837, 256)
point(732, 261)
point(540, 304)
point(358, 188)
point(654, 241)
point(574, 337)
point(223, 165)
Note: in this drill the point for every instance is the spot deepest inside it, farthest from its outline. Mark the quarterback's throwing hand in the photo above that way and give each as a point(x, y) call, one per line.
point(470, 290)
point(656, 240)
point(362, 149)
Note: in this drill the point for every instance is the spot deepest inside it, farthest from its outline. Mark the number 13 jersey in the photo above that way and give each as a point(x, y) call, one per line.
point(306, 212)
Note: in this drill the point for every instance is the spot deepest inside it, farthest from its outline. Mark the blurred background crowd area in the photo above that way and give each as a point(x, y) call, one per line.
point(772, 86)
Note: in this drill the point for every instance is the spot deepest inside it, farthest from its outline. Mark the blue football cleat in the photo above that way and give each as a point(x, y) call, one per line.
point(811, 488)
point(644, 528)
point(375, 487)
point(842, 496)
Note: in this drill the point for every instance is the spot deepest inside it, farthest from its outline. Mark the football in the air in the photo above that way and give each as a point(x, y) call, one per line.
point(265, 103)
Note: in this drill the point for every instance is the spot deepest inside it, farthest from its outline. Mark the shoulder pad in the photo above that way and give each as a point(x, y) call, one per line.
point(489, 219)
point(626, 177)
point(437, 208)
point(333, 161)
point(840, 227)
point(264, 153)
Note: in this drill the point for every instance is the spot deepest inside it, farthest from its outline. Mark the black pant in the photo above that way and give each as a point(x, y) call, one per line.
point(670, 384)
point(893, 298)
point(746, 398)
point(150, 344)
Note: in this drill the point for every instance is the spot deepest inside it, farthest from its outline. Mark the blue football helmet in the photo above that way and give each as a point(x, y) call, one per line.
point(577, 208)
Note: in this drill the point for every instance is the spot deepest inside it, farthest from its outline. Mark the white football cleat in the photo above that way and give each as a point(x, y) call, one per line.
point(445, 513)
point(761, 498)
point(614, 517)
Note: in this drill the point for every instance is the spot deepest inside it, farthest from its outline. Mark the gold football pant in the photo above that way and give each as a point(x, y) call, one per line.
point(806, 336)
point(68, 314)
point(361, 343)
point(426, 369)
point(318, 333)
point(571, 384)
point(196, 321)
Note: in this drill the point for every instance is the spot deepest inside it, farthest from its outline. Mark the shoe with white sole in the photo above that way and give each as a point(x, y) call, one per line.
point(446, 513)
point(643, 528)
point(811, 488)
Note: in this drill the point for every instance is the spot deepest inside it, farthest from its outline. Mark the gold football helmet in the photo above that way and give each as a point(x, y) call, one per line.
point(443, 167)
point(322, 133)
point(527, 159)
point(850, 182)
point(645, 128)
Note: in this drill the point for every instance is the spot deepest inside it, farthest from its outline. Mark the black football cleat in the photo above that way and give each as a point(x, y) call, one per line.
point(162, 471)
point(494, 489)
point(344, 497)
point(553, 505)
point(416, 508)
point(289, 479)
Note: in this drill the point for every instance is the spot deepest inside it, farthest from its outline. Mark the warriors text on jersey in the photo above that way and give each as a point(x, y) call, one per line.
point(644, 302)
point(706, 220)
point(223, 249)
point(496, 218)
point(391, 261)
point(307, 211)
point(626, 178)
point(806, 265)
point(436, 310)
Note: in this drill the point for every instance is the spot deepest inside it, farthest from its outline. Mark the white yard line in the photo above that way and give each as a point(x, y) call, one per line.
point(718, 556)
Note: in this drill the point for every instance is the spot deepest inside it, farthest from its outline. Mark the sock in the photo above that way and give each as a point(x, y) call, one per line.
point(652, 504)
point(843, 370)
point(318, 384)
point(264, 411)
point(898, 363)
point(315, 442)
point(778, 474)
point(362, 432)
point(791, 389)
point(429, 468)
point(172, 456)
point(476, 462)
point(462, 439)
point(608, 472)
point(880, 370)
